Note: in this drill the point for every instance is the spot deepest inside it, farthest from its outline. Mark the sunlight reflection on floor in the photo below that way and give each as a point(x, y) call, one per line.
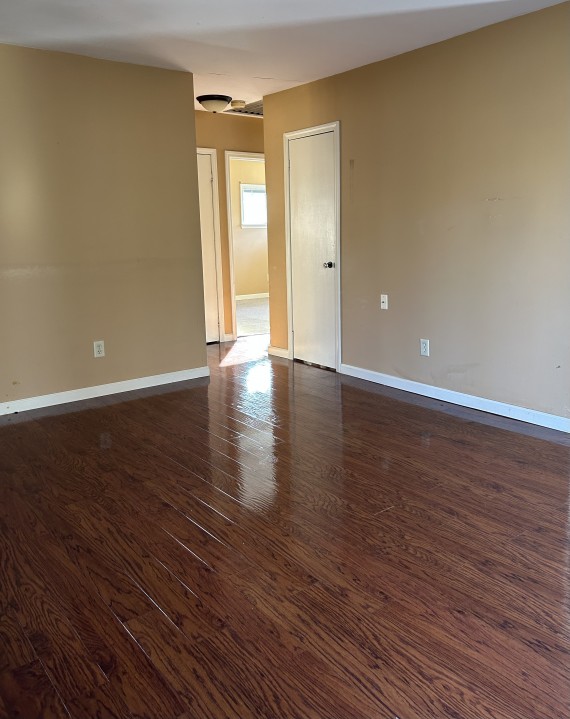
point(245, 349)
point(258, 378)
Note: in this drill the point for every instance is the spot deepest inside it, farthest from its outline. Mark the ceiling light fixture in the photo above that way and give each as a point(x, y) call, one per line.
point(214, 103)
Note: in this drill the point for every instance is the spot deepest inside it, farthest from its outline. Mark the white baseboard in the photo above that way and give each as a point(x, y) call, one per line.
point(228, 338)
point(278, 352)
point(252, 297)
point(543, 419)
point(74, 395)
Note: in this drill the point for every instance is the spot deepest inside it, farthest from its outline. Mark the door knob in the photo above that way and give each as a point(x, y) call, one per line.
point(328, 264)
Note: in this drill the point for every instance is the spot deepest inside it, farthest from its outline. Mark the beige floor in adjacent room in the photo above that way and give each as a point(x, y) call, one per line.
point(252, 316)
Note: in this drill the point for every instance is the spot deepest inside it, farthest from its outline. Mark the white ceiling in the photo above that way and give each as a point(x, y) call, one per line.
point(248, 48)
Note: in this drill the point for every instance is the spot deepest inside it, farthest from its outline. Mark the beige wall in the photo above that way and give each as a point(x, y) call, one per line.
point(227, 132)
point(99, 223)
point(455, 171)
point(249, 244)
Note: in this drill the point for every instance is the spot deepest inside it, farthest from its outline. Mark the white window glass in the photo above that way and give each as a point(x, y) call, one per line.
point(253, 205)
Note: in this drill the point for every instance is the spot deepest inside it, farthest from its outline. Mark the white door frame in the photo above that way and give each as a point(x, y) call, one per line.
point(235, 155)
point(333, 127)
point(217, 236)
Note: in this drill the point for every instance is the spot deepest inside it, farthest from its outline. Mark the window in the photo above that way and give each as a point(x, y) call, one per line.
point(253, 205)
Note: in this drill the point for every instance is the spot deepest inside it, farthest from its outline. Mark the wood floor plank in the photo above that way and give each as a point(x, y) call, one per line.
point(225, 676)
point(27, 692)
point(100, 702)
point(37, 607)
point(15, 648)
point(281, 542)
point(136, 687)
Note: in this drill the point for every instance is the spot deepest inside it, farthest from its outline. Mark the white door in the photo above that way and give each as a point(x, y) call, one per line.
point(209, 260)
point(313, 230)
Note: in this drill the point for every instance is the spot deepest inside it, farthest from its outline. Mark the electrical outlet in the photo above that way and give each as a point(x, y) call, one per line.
point(383, 302)
point(424, 348)
point(98, 348)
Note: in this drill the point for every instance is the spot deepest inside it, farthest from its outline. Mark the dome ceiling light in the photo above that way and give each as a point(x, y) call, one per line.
point(214, 103)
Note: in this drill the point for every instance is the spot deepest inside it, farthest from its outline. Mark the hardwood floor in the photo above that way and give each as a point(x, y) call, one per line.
point(282, 542)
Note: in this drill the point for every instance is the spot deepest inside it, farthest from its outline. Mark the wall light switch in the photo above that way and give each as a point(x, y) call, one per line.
point(383, 302)
point(424, 348)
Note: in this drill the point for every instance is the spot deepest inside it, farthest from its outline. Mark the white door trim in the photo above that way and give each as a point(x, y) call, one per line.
point(253, 157)
point(333, 127)
point(217, 236)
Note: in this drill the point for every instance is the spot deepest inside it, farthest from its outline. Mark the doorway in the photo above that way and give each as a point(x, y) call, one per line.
point(211, 245)
point(312, 197)
point(247, 229)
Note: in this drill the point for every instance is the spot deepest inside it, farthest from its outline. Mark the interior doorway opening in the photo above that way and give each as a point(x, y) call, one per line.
point(247, 231)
